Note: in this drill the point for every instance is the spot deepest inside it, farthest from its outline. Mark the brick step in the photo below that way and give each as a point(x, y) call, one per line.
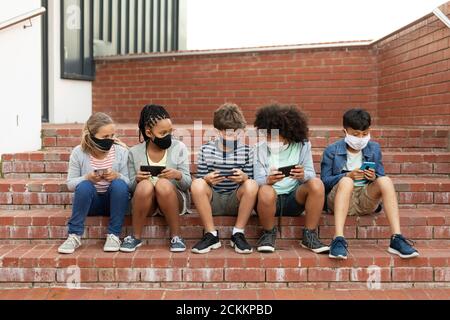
point(238, 292)
point(52, 193)
point(391, 138)
point(281, 243)
point(155, 266)
point(54, 164)
point(43, 225)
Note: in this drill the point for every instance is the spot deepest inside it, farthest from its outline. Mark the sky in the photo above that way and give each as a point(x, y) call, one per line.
point(217, 24)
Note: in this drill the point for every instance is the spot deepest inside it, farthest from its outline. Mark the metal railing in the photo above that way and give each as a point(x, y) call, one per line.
point(21, 18)
point(441, 16)
point(137, 26)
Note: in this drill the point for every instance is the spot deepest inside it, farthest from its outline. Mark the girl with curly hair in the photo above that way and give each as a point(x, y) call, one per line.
point(283, 167)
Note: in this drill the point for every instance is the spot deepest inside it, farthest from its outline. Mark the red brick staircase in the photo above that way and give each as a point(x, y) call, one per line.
point(35, 206)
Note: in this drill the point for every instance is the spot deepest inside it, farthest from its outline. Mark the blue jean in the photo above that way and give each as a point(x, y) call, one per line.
point(87, 201)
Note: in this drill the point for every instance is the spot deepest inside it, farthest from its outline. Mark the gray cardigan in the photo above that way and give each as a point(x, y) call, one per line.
point(80, 166)
point(261, 167)
point(177, 158)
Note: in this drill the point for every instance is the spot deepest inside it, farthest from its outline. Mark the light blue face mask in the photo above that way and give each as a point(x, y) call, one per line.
point(227, 143)
point(276, 147)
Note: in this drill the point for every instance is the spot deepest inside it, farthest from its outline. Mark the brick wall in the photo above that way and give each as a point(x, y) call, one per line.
point(404, 79)
point(321, 82)
point(414, 74)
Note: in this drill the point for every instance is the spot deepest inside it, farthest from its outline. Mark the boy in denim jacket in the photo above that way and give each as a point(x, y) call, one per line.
point(352, 191)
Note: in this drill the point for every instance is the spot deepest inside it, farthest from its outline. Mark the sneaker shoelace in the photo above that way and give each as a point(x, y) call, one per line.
point(128, 240)
point(267, 237)
point(408, 241)
point(176, 239)
point(240, 240)
point(312, 238)
point(73, 239)
point(114, 238)
point(343, 243)
point(207, 236)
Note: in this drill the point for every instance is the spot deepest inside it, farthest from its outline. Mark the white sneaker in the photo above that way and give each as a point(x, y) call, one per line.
point(112, 243)
point(70, 245)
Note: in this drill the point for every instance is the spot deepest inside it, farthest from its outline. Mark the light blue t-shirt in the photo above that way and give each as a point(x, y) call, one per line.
point(287, 157)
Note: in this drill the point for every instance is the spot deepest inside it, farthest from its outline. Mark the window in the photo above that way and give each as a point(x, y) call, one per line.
point(77, 53)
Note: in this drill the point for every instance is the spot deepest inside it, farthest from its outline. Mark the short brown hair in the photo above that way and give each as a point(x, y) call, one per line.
point(229, 116)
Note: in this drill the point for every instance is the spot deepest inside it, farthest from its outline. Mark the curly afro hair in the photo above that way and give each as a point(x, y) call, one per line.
point(289, 120)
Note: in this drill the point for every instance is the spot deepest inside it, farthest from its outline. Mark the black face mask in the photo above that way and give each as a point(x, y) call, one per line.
point(103, 144)
point(163, 143)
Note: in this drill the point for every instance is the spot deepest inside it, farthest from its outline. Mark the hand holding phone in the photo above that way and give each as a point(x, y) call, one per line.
point(213, 178)
point(274, 176)
point(153, 170)
point(101, 172)
point(368, 165)
point(226, 173)
point(286, 171)
point(298, 173)
point(369, 170)
point(238, 176)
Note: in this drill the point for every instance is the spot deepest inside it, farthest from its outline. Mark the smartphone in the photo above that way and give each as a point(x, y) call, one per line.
point(287, 170)
point(367, 166)
point(101, 172)
point(153, 170)
point(226, 173)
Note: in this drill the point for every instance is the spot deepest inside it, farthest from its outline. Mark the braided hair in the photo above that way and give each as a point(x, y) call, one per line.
point(150, 115)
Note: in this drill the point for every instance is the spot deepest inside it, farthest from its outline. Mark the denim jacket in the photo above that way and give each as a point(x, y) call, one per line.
point(334, 160)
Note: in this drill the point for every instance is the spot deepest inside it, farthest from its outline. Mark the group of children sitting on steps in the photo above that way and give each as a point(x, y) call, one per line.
point(274, 178)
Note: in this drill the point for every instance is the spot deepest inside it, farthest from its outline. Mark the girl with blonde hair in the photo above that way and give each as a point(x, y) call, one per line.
point(98, 175)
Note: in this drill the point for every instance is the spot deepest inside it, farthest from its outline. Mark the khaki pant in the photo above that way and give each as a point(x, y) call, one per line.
point(225, 204)
point(360, 203)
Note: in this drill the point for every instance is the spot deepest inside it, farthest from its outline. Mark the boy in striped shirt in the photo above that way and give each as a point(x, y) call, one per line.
point(224, 184)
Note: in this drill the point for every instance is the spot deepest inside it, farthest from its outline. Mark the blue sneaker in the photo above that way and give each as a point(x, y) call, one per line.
point(338, 248)
point(130, 244)
point(402, 247)
point(177, 244)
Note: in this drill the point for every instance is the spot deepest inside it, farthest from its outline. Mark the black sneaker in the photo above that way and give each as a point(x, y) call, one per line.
point(267, 241)
point(311, 241)
point(208, 242)
point(402, 247)
point(240, 244)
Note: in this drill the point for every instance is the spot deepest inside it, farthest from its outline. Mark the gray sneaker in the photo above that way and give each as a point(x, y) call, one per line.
point(130, 244)
point(311, 241)
point(69, 246)
point(177, 244)
point(267, 241)
point(112, 243)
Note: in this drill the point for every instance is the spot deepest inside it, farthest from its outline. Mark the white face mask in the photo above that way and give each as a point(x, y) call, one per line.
point(357, 143)
point(277, 147)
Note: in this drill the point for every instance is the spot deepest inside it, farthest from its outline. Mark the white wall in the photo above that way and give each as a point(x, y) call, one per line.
point(217, 24)
point(69, 100)
point(20, 80)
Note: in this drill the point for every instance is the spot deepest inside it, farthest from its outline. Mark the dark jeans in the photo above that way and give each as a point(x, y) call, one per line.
point(287, 205)
point(87, 201)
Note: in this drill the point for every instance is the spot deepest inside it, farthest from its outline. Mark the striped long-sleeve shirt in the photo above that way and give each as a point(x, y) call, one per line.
point(211, 157)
